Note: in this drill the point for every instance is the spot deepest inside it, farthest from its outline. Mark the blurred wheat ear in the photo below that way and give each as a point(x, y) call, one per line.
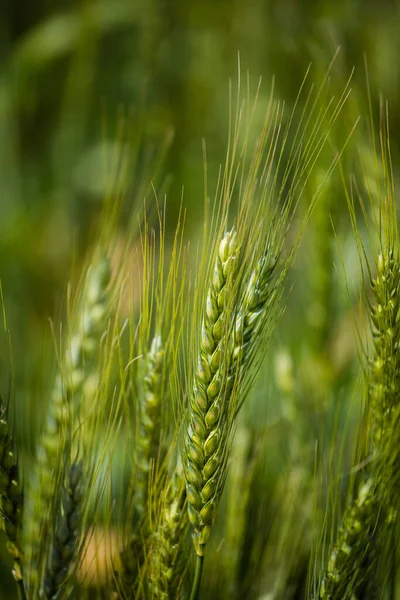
point(354, 567)
point(65, 538)
point(11, 499)
point(150, 420)
point(81, 345)
point(167, 562)
point(151, 369)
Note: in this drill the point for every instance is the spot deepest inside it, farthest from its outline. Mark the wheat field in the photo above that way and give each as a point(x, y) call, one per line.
point(200, 334)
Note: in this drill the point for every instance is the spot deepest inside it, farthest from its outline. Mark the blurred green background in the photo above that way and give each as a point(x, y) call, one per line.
point(83, 83)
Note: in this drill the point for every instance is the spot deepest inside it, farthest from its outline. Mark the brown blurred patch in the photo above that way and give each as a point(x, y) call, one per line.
point(101, 549)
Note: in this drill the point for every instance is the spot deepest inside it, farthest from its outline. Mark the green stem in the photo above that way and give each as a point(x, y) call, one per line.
point(197, 578)
point(21, 590)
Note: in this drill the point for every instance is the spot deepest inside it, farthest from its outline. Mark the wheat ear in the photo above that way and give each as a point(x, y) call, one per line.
point(167, 567)
point(150, 421)
point(204, 458)
point(150, 405)
point(128, 572)
point(384, 385)
point(260, 294)
point(352, 557)
point(356, 551)
point(225, 350)
point(10, 499)
point(81, 346)
point(66, 536)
